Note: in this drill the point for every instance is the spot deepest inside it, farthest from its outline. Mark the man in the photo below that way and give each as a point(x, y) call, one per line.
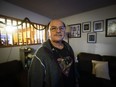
point(53, 64)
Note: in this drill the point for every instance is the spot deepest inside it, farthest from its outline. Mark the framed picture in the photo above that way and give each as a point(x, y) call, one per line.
point(111, 27)
point(86, 27)
point(98, 26)
point(92, 37)
point(75, 30)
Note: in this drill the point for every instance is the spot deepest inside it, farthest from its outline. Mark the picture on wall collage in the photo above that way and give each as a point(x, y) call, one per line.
point(98, 26)
point(75, 31)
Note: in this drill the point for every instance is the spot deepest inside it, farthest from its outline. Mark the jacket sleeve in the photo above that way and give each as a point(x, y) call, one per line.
point(36, 73)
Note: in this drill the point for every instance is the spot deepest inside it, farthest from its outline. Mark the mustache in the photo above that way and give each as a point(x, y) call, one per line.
point(57, 34)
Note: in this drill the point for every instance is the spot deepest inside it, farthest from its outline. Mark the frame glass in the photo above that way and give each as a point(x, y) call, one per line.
point(98, 26)
point(75, 30)
point(92, 37)
point(86, 27)
point(111, 27)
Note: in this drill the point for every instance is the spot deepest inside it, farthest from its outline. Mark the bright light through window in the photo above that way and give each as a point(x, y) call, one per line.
point(17, 33)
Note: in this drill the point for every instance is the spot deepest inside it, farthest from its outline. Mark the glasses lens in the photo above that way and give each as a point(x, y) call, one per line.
point(55, 28)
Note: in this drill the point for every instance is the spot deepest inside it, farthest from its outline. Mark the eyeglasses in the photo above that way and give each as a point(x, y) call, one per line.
point(54, 28)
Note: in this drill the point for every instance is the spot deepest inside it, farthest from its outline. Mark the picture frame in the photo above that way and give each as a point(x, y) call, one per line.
point(75, 30)
point(92, 37)
point(86, 27)
point(111, 27)
point(98, 26)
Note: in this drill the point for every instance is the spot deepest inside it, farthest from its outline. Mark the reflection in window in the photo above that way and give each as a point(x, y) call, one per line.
point(23, 34)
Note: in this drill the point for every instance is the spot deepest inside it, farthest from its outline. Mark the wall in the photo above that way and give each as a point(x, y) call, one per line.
point(12, 53)
point(104, 45)
point(18, 12)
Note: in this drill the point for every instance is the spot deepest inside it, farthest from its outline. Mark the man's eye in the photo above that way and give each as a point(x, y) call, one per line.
point(53, 28)
point(56, 28)
point(61, 28)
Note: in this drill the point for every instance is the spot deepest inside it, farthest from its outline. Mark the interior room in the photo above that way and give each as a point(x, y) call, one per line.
point(93, 40)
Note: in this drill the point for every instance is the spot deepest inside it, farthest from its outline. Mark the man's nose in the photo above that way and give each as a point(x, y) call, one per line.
point(58, 30)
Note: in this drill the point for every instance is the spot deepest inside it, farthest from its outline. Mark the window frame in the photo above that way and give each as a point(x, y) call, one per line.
point(31, 33)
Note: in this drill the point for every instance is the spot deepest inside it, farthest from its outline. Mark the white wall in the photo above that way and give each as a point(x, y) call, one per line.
point(104, 45)
point(12, 53)
point(18, 12)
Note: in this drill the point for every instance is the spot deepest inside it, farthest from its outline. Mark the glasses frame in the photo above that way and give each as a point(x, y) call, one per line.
point(54, 28)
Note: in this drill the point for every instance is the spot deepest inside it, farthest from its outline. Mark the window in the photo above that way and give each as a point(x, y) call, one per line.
point(15, 32)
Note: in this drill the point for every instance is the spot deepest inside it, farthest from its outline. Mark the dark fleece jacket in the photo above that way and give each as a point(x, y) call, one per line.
point(44, 71)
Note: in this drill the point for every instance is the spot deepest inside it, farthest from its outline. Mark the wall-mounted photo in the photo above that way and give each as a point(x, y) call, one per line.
point(98, 26)
point(111, 27)
point(92, 37)
point(86, 27)
point(75, 30)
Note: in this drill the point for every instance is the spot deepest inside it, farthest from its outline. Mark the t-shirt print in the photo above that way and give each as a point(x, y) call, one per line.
point(65, 64)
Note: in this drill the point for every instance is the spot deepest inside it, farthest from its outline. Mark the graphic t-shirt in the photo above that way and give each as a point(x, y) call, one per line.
point(64, 60)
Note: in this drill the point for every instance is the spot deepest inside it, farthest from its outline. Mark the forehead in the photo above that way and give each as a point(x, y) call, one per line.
point(56, 23)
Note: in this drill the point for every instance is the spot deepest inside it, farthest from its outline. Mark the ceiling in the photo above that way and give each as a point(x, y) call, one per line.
point(54, 9)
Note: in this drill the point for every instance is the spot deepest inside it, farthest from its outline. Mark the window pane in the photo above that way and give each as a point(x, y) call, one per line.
point(17, 32)
point(8, 21)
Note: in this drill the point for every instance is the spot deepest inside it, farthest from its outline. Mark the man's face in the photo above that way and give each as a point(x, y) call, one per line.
point(56, 31)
